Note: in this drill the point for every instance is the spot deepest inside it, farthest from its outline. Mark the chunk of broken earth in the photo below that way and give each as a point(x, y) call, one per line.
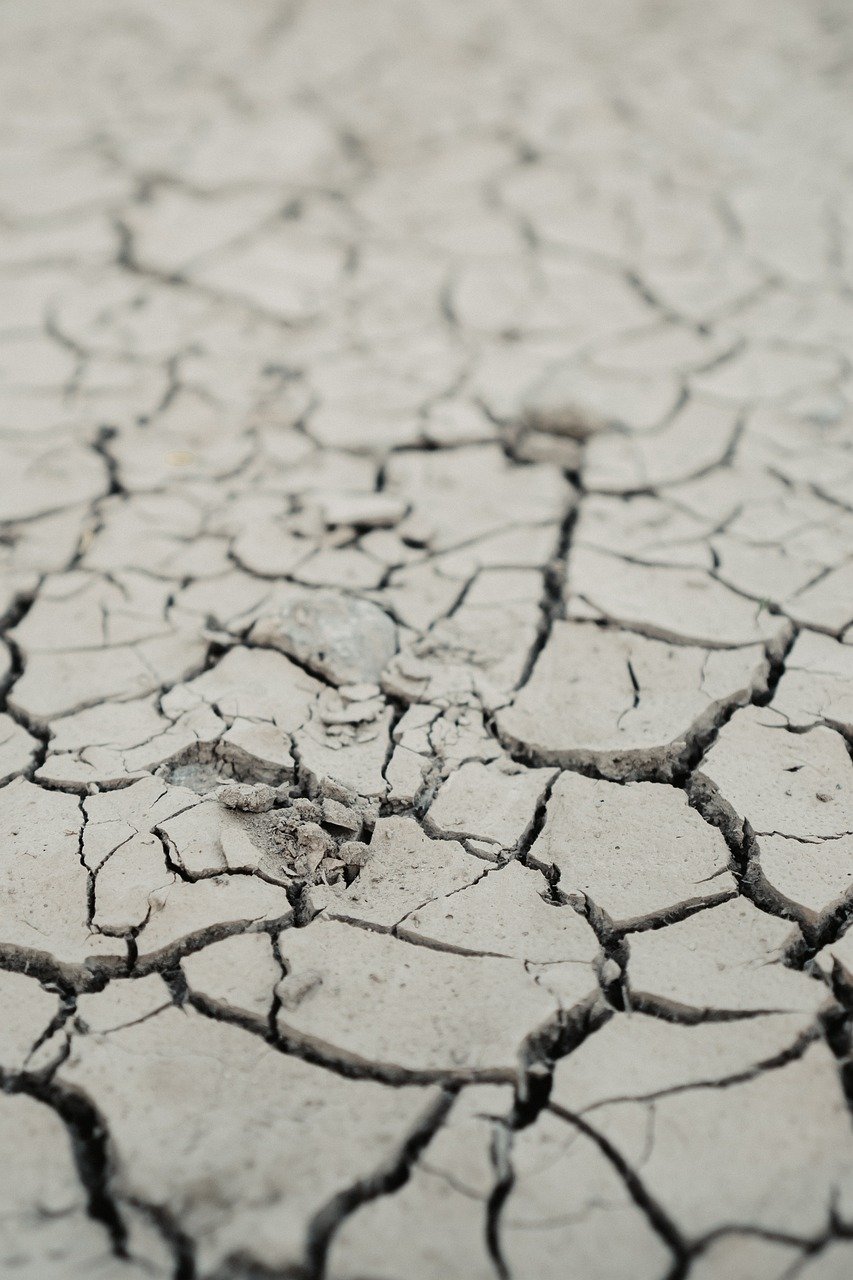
point(115, 743)
point(184, 916)
point(80, 610)
point(122, 1002)
point(697, 439)
point(250, 684)
point(405, 773)
point(816, 876)
point(301, 809)
point(683, 604)
point(209, 839)
point(126, 883)
point(826, 604)
point(761, 370)
point(361, 510)
point(336, 814)
point(817, 684)
point(478, 655)
point(622, 704)
point(644, 528)
point(636, 850)
point(56, 684)
point(246, 797)
point(460, 734)
point(333, 789)
point(359, 692)
point(344, 755)
point(343, 638)
point(335, 708)
point(797, 784)
point(307, 833)
point(576, 401)
point(330, 566)
point(26, 1012)
point(42, 475)
point(257, 751)
point(460, 495)
point(238, 974)
point(311, 845)
point(44, 902)
point(47, 1226)
point(17, 748)
point(354, 853)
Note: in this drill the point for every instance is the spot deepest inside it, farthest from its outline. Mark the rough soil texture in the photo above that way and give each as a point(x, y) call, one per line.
point(426, 822)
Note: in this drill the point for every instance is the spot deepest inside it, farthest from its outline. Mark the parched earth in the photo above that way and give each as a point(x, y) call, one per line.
point(427, 544)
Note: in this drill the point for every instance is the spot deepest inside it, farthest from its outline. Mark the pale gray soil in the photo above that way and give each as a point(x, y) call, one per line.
point(427, 545)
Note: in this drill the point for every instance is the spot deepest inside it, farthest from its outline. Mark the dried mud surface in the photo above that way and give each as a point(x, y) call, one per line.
point(427, 593)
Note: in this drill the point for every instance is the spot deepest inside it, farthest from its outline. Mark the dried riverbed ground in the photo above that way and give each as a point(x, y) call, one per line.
point(427, 543)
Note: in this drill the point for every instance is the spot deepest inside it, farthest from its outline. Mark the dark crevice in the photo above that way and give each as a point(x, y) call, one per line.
point(340, 1061)
point(657, 1217)
point(180, 1245)
point(552, 605)
point(384, 1181)
point(89, 1140)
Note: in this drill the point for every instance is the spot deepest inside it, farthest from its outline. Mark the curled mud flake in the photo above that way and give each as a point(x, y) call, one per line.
point(731, 956)
point(622, 705)
point(792, 809)
point(636, 850)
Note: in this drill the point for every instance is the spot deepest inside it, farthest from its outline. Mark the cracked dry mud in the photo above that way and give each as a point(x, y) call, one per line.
point(427, 559)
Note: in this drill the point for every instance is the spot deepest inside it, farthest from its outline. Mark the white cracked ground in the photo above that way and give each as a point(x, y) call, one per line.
point(427, 501)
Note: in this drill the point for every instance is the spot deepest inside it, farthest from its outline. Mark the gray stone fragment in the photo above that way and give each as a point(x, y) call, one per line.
point(345, 639)
point(246, 797)
point(354, 853)
point(313, 844)
point(336, 814)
